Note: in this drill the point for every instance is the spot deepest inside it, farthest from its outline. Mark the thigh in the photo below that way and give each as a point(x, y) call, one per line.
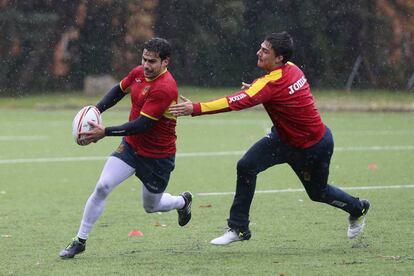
point(126, 153)
point(312, 165)
point(265, 153)
point(154, 172)
point(114, 172)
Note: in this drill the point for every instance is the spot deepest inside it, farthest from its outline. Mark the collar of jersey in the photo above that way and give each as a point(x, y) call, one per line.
point(150, 80)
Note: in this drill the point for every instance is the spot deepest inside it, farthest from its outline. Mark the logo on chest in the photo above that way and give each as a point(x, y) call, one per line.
point(145, 90)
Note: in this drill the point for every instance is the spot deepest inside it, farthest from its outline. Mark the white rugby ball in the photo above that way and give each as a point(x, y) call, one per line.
point(80, 123)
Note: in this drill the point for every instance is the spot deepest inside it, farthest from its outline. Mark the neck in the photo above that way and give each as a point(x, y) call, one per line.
point(278, 65)
point(162, 72)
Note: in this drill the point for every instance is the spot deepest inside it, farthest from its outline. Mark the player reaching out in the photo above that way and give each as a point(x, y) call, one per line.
point(298, 137)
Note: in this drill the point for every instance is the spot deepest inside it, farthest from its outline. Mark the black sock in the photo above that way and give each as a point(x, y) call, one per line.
point(82, 240)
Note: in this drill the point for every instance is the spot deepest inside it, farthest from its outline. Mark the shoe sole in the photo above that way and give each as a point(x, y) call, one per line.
point(71, 257)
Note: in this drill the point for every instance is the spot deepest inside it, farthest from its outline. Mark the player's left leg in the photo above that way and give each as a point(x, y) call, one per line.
point(155, 174)
point(164, 202)
point(160, 202)
point(312, 167)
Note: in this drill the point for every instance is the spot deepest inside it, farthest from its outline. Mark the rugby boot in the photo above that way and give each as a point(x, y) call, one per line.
point(232, 235)
point(73, 248)
point(184, 214)
point(357, 224)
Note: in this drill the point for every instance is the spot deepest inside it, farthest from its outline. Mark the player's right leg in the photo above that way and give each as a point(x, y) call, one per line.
point(262, 155)
point(312, 167)
point(114, 172)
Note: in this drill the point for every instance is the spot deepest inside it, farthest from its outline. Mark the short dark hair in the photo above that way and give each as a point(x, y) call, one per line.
point(159, 45)
point(282, 44)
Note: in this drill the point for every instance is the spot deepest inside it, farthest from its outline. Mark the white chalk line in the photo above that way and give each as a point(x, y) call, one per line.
point(190, 154)
point(409, 186)
point(22, 138)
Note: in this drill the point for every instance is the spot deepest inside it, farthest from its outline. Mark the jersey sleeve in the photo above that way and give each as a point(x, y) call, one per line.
point(126, 82)
point(259, 92)
point(157, 104)
point(237, 101)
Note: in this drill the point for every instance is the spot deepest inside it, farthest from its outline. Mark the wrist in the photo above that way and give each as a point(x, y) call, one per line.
point(196, 109)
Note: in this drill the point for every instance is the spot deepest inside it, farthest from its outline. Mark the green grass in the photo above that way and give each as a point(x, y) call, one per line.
point(41, 201)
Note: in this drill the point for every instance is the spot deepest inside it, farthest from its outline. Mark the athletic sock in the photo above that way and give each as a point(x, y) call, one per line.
point(83, 241)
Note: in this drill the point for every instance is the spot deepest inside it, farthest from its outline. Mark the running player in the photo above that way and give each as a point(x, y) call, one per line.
point(148, 148)
point(298, 137)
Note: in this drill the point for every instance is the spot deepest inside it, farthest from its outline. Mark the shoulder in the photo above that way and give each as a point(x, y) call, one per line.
point(290, 67)
point(139, 70)
point(168, 78)
point(166, 83)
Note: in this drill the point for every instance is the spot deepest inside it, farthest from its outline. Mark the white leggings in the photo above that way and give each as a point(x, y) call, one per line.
point(114, 173)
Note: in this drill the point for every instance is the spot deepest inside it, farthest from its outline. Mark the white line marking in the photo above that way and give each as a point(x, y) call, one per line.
point(22, 138)
point(206, 154)
point(192, 154)
point(53, 159)
point(375, 148)
point(302, 190)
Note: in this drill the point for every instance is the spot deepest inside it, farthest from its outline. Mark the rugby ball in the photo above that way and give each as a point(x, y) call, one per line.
point(80, 123)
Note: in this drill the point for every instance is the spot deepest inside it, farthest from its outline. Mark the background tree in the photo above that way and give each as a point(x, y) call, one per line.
point(53, 45)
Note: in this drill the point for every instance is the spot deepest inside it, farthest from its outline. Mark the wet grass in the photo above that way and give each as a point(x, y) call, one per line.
point(42, 196)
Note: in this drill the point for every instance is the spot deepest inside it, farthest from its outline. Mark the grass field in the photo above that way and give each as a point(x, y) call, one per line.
point(45, 180)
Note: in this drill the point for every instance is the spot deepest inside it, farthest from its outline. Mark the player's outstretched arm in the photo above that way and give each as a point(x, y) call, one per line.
point(182, 109)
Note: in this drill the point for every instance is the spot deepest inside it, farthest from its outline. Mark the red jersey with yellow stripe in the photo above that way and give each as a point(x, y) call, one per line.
point(286, 96)
point(151, 98)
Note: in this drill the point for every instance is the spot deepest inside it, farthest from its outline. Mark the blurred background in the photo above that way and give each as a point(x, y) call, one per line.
point(50, 45)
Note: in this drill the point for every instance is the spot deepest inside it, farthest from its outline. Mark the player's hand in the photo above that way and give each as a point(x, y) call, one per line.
point(245, 85)
point(95, 134)
point(182, 109)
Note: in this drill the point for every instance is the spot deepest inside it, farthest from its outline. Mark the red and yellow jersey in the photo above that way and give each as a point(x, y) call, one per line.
point(152, 98)
point(286, 96)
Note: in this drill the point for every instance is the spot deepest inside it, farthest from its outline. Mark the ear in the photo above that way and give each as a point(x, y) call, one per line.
point(279, 59)
point(165, 62)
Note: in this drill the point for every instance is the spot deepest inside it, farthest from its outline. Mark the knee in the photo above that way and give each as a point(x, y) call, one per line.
point(317, 195)
point(150, 208)
point(246, 166)
point(103, 188)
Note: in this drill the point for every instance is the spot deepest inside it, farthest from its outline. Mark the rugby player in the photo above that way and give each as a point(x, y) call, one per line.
point(298, 137)
point(148, 147)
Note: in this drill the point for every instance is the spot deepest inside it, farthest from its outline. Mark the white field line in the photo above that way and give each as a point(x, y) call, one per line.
point(192, 154)
point(302, 190)
point(23, 138)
